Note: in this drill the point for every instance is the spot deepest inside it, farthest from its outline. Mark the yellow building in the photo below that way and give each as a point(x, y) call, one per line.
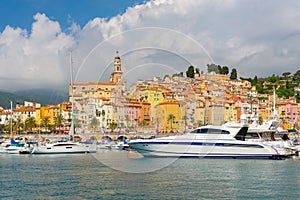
point(200, 112)
point(50, 112)
point(152, 95)
point(281, 109)
point(170, 116)
point(230, 112)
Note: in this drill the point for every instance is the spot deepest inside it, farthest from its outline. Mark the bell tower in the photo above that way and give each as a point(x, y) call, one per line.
point(116, 75)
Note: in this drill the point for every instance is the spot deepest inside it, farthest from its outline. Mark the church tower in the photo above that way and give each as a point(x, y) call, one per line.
point(116, 75)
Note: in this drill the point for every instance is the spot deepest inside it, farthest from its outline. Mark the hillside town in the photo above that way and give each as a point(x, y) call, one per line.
point(172, 104)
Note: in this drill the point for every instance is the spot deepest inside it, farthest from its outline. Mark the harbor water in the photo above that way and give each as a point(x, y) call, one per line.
point(88, 177)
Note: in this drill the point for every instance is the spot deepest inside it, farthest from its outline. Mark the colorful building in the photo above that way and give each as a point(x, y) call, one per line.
point(170, 116)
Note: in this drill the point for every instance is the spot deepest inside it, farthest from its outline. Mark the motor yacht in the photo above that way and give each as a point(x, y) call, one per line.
point(226, 141)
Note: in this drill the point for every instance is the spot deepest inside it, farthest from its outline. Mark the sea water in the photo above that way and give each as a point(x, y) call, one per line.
point(88, 177)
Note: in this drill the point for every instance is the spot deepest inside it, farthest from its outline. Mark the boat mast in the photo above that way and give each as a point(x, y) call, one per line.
point(72, 94)
point(11, 119)
point(274, 103)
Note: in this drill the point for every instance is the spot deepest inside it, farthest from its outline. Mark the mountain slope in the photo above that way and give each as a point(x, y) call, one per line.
point(43, 96)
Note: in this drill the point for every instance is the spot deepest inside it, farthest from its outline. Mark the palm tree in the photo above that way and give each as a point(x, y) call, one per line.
point(171, 119)
point(94, 123)
point(7, 127)
point(58, 121)
point(18, 125)
point(127, 119)
point(45, 122)
point(30, 123)
point(113, 126)
point(143, 123)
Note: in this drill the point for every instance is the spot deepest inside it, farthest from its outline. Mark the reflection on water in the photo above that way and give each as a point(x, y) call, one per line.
point(84, 177)
point(131, 161)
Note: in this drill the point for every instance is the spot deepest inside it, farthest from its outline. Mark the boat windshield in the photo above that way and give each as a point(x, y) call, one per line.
point(252, 136)
point(210, 131)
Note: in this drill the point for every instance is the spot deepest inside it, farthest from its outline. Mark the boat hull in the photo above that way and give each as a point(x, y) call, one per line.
point(203, 149)
point(63, 149)
point(14, 149)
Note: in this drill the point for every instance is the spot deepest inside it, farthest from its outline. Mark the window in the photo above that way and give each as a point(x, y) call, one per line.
point(210, 131)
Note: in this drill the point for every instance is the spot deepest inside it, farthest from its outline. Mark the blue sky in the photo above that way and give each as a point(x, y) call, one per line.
point(19, 13)
point(154, 38)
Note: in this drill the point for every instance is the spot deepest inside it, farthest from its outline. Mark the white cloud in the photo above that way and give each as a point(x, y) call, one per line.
point(253, 36)
point(32, 60)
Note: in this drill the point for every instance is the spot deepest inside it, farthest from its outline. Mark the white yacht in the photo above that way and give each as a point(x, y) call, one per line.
point(226, 141)
point(64, 148)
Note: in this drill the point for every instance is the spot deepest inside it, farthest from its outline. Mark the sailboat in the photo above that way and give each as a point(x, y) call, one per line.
point(66, 147)
point(12, 146)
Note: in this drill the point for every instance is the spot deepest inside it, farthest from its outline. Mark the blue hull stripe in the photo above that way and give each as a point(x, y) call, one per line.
point(198, 144)
point(152, 153)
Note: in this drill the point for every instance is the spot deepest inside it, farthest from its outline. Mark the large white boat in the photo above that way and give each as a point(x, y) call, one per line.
point(64, 148)
point(226, 141)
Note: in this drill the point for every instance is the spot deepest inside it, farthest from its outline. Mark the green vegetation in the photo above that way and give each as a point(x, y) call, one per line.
point(113, 126)
point(171, 119)
point(218, 69)
point(190, 72)
point(233, 75)
point(284, 84)
point(94, 123)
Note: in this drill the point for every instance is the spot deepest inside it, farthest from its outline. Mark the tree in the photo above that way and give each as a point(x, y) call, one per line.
point(45, 122)
point(286, 74)
point(94, 123)
point(19, 125)
point(171, 119)
point(113, 126)
point(255, 80)
point(7, 126)
point(225, 70)
point(199, 123)
point(212, 68)
point(143, 123)
point(190, 72)
point(30, 123)
point(178, 74)
point(297, 75)
point(284, 92)
point(273, 79)
point(233, 75)
point(58, 121)
point(220, 69)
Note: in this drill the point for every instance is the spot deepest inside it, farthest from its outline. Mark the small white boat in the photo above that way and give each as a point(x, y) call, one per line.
point(122, 145)
point(14, 147)
point(64, 148)
point(226, 141)
point(4, 144)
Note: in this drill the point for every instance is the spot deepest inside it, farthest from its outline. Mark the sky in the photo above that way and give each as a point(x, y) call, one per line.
point(154, 38)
